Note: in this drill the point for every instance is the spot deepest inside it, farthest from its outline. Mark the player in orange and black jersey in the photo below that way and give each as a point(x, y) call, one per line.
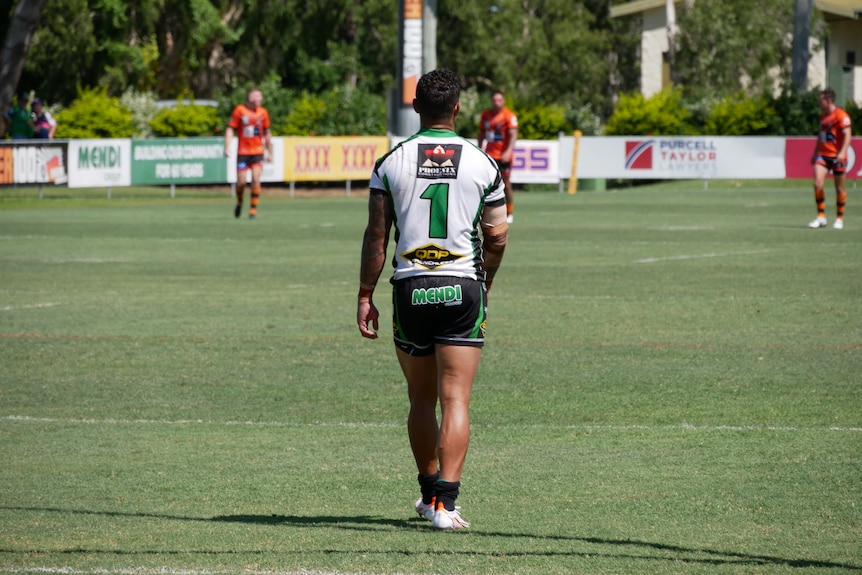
point(830, 154)
point(250, 121)
point(498, 131)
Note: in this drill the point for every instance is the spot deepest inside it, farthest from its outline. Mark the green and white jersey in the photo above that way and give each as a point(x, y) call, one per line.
point(438, 184)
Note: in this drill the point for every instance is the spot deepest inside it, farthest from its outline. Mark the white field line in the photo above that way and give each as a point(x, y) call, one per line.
point(165, 571)
point(698, 256)
point(29, 306)
point(679, 426)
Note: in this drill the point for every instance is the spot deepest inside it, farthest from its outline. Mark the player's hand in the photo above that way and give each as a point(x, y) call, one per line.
point(227, 152)
point(367, 318)
point(841, 162)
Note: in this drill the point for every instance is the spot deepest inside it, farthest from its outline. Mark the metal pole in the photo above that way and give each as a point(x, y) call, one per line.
point(801, 32)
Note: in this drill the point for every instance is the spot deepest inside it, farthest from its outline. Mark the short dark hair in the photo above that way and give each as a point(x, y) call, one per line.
point(829, 94)
point(437, 93)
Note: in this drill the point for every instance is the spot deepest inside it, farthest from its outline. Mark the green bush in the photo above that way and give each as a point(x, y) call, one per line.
point(94, 114)
point(304, 118)
point(343, 111)
point(662, 114)
point(472, 104)
point(739, 116)
point(186, 121)
point(854, 110)
point(542, 122)
point(795, 114)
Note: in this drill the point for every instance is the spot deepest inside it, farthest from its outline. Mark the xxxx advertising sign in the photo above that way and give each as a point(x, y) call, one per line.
point(332, 158)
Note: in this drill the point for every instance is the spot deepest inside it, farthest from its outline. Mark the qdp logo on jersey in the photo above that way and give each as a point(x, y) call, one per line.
point(639, 155)
point(439, 161)
point(431, 256)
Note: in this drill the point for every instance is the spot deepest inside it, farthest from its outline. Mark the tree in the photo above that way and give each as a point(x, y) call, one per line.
point(547, 51)
point(22, 25)
point(725, 46)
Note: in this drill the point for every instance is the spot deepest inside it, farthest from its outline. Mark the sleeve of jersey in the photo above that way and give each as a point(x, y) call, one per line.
point(377, 183)
point(266, 119)
point(495, 192)
point(234, 119)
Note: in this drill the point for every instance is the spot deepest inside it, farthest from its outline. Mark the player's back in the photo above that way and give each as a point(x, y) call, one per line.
point(438, 183)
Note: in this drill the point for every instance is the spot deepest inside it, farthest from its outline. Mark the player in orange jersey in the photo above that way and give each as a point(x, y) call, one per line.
point(830, 154)
point(250, 121)
point(498, 131)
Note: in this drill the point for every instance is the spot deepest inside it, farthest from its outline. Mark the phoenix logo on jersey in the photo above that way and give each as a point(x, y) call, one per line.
point(431, 256)
point(438, 161)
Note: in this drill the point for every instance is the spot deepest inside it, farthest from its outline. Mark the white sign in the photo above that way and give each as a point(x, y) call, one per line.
point(272, 171)
point(670, 157)
point(100, 163)
point(536, 161)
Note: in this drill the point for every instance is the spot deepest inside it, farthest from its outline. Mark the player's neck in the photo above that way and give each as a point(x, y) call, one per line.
point(438, 126)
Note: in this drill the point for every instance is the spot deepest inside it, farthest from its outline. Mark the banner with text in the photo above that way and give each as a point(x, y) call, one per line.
point(100, 163)
point(309, 159)
point(800, 150)
point(178, 161)
point(273, 171)
point(33, 163)
point(668, 157)
point(536, 162)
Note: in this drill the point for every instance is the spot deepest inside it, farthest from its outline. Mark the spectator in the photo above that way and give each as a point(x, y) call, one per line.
point(19, 123)
point(44, 125)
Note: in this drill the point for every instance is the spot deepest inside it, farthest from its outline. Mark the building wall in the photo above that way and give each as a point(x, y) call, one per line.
point(653, 47)
point(845, 36)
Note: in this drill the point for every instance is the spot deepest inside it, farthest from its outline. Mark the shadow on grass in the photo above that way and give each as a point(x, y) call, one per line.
point(370, 522)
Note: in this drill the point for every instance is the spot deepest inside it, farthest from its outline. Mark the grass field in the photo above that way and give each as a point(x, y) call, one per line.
point(672, 384)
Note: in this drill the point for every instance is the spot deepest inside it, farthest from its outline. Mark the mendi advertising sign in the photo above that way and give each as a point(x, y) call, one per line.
point(100, 163)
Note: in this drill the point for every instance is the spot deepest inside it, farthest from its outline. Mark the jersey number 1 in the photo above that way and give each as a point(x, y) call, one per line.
point(438, 195)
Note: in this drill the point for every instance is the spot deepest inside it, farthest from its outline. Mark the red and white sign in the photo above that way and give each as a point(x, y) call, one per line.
point(797, 158)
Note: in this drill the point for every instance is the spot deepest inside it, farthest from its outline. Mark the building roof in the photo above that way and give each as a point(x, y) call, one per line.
point(845, 8)
point(636, 7)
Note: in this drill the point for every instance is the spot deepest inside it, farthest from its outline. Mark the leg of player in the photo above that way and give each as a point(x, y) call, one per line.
point(510, 198)
point(241, 176)
point(456, 368)
point(255, 190)
point(840, 201)
point(820, 172)
point(421, 376)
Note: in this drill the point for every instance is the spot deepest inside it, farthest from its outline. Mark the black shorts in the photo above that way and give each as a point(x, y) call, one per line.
point(428, 310)
point(832, 164)
point(246, 162)
point(505, 167)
